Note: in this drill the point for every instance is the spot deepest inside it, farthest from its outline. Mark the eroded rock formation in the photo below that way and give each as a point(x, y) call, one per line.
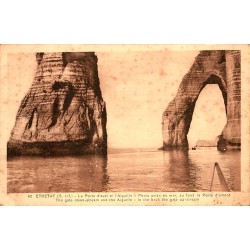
point(63, 111)
point(210, 67)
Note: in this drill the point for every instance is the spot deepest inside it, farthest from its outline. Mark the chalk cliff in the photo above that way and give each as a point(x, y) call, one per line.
point(63, 111)
point(210, 67)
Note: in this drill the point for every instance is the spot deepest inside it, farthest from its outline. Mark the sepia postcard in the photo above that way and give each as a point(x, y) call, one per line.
point(127, 125)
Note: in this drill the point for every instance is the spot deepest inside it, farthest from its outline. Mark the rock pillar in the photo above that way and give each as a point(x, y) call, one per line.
point(63, 111)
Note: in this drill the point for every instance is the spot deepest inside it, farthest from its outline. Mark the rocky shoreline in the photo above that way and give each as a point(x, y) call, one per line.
point(59, 148)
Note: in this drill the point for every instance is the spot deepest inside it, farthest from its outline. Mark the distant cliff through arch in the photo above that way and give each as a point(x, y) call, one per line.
point(221, 67)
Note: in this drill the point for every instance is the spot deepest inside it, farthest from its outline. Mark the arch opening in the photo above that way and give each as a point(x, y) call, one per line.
point(209, 116)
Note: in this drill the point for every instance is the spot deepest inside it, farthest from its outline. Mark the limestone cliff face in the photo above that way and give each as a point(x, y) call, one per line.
point(210, 67)
point(63, 111)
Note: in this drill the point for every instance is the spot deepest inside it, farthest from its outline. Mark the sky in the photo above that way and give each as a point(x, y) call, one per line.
point(136, 86)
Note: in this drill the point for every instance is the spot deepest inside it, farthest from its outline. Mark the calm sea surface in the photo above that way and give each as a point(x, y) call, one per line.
point(125, 171)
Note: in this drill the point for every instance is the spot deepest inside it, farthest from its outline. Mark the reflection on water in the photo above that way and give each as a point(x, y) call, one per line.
point(125, 172)
point(179, 174)
point(54, 174)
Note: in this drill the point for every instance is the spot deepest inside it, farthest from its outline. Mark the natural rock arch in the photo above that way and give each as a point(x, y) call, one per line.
point(210, 67)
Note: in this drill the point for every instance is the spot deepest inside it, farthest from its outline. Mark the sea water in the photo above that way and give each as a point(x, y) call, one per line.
point(128, 170)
